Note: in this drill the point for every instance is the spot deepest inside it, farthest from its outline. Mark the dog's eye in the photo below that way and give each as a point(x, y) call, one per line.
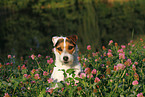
point(70, 47)
point(59, 48)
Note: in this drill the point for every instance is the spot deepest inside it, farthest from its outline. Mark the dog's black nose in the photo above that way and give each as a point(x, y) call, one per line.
point(65, 58)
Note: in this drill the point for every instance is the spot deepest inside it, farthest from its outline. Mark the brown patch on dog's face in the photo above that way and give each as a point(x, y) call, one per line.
point(60, 46)
point(70, 46)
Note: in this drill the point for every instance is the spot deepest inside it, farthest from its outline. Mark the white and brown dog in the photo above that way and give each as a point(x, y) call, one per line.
point(66, 54)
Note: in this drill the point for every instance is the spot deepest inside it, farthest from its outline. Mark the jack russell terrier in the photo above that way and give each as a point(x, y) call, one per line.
point(66, 57)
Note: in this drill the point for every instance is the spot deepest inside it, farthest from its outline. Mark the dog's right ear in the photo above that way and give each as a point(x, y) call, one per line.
point(74, 38)
point(54, 40)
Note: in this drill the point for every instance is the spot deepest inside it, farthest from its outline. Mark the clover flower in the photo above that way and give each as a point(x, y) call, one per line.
point(116, 44)
point(9, 56)
point(110, 50)
point(8, 63)
point(36, 76)
point(50, 61)
point(23, 67)
point(28, 76)
point(135, 82)
point(89, 76)
point(109, 54)
point(96, 80)
point(25, 75)
point(130, 52)
point(50, 80)
point(33, 82)
point(94, 71)
point(45, 73)
point(121, 56)
point(82, 75)
point(120, 51)
point(133, 68)
point(89, 47)
point(128, 62)
point(87, 70)
point(123, 46)
point(50, 91)
point(136, 63)
point(33, 70)
point(7, 95)
point(110, 42)
point(39, 55)
point(33, 56)
point(103, 47)
point(140, 95)
point(120, 66)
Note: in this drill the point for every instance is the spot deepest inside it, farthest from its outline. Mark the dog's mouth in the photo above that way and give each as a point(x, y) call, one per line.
point(66, 62)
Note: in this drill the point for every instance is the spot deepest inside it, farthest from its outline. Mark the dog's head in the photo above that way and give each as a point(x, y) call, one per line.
point(65, 48)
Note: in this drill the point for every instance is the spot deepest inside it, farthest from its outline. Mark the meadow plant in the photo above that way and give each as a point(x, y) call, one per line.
point(114, 71)
point(89, 47)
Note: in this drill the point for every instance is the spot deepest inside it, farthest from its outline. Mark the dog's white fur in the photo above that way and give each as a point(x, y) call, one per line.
point(57, 75)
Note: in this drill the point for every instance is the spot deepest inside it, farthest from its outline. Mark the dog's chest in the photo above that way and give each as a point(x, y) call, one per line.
point(58, 72)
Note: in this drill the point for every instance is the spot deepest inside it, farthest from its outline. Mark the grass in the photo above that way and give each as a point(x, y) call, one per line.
point(114, 71)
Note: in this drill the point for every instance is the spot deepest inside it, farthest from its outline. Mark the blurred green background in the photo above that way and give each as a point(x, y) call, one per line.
point(27, 26)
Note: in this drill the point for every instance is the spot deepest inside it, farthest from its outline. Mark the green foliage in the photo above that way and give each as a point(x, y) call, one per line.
point(105, 73)
point(29, 24)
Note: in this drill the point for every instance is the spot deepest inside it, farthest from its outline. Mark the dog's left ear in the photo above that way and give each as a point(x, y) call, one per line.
point(74, 38)
point(54, 40)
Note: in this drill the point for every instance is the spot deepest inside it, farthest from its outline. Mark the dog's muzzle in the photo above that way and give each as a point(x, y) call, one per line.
point(65, 58)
